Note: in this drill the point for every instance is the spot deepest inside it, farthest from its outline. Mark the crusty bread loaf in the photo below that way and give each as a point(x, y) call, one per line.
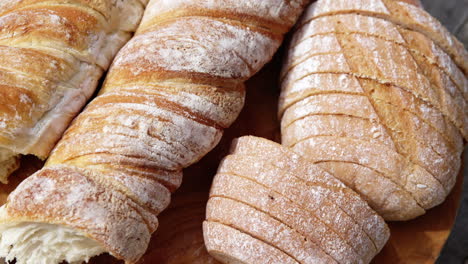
point(376, 93)
point(269, 193)
point(52, 55)
point(166, 100)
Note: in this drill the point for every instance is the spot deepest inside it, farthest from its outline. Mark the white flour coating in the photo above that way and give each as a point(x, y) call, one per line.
point(130, 130)
point(411, 75)
point(401, 13)
point(281, 192)
point(215, 48)
point(219, 109)
point(330, 104)
point(308, 198)
point(401, 71)
point(372, 26)
point(49, 33)
point(331, 124)
point(106, 215)
point(284, 210)
point(174, 144)
point(265, 228)
point(229, 244)
point(271, 10)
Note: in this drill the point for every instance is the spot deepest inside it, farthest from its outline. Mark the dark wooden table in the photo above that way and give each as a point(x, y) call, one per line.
point(454, 15)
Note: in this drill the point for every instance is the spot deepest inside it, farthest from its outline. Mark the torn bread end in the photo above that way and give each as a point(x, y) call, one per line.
point(31, 242)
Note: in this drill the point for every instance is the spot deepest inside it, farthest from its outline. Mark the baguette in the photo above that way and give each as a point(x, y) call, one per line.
point(292, 205)
point(378, 92)
point(165, 102)
point(52, 55)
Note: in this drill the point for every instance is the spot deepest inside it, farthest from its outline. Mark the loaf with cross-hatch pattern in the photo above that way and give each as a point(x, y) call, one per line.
point(376, 92)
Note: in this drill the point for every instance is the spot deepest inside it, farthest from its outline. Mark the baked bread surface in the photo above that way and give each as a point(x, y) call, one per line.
point(375, 92)
point(168, 96)
point(52, 55)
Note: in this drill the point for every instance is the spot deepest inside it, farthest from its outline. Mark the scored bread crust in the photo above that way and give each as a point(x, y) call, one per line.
point(168, 95)
point(278, 190)
point(385, 97)
point(307, 197)
point(417, 44)
point(265, 228)
point(409, 16)
point(282, 209)
point(53, 54)
point(231, 246)
point(283, 158)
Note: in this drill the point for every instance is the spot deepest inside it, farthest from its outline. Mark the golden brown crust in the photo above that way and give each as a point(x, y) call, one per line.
point(101, 213)
point(384, 99)
point(53, 54)
point(167, 98)
point(279, 190)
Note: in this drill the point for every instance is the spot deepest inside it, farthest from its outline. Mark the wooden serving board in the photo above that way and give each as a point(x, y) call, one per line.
point(179, 238)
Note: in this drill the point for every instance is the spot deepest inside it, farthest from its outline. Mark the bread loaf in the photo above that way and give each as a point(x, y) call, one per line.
point(52, 55)
point(271, 194)
point(166, 100)
point(376, 93)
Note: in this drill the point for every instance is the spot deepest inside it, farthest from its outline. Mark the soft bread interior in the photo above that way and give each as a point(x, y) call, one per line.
point(34, 243)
